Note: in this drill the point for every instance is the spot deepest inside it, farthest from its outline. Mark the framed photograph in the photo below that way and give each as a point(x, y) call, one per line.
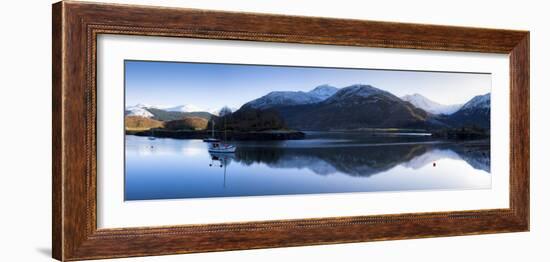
point(181, 130)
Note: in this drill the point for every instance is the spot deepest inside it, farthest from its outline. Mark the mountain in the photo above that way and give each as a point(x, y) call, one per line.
point(292, 98)
point(171, 112)
point(354, 107)
point(478, 102)
point(165, 114)
point(329, 108)
point(475, 113)
point(138, 110)
point(323, 91)
point(184, 108)
point(430, 106)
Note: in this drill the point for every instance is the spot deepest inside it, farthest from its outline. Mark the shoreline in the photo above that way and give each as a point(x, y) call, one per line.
point(277, 135)
point(237, 136)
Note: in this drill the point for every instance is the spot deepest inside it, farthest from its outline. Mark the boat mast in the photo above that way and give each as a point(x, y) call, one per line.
point(213, 128)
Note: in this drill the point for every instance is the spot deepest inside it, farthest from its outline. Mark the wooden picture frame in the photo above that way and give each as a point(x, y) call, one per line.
point(76, 26)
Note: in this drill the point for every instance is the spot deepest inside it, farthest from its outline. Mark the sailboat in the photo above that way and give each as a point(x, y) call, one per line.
point(216, 146)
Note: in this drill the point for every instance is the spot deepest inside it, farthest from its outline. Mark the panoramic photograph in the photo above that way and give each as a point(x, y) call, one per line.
point(203, 130)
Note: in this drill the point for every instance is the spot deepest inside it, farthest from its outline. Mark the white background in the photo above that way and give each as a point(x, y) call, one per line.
point(25, 147)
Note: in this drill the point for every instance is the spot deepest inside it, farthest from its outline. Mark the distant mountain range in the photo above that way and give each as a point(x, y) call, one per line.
point(162, 113)
point(290, 98)
point(430, 106)
point(329, 108)
point(353, 107)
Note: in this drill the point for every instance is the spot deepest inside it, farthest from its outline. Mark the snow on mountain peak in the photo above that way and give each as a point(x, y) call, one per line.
point(323, 91)
point(356, 90)
point(184, 108)
point(430, 106)
point(138, 110)
point(143, 109)
point(481, 101)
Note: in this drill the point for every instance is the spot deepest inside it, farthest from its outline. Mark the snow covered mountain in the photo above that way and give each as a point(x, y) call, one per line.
point(290, 98)
point(183, 108)
point(428, 105)
point(479, 102)
point(323, 91)
point(138, 110)
point(354, 107)
point(357, 91)
point(189, 108)
point(476, 112)
point(172, 112)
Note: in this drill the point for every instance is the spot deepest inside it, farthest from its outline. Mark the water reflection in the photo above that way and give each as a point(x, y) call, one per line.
point(168, 168)
point(362, 161)
point(221, 160)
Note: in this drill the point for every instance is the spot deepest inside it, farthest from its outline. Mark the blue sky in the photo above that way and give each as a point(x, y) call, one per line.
point(216, 85)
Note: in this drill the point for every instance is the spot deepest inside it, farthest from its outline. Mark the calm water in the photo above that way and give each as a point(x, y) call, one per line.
point(322, 163)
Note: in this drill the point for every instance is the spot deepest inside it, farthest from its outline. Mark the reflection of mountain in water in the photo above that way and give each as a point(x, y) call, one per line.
point(478, 156)
point(363, 161)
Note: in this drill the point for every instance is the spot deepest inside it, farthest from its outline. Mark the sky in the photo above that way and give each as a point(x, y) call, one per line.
point(211, 86)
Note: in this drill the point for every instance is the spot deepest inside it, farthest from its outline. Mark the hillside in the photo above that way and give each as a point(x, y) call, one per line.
point(250, 119)
point(163, 115)
point(187, 123)
point(141, 123)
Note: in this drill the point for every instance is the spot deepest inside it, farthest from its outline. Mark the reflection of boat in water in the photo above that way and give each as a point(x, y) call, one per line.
point(219, 147)
point(223, 159)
